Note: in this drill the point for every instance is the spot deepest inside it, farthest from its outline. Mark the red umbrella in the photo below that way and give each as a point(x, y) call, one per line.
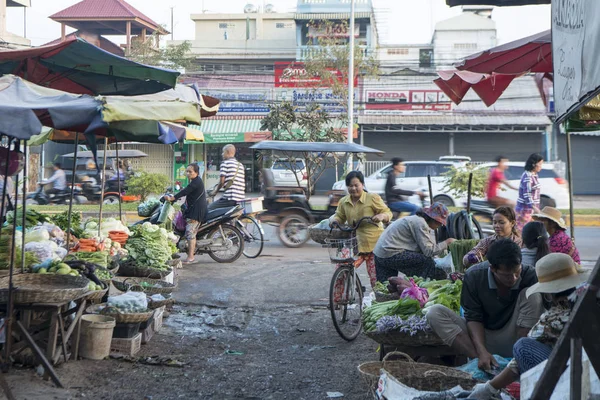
point(530, 54)
point(456, 84)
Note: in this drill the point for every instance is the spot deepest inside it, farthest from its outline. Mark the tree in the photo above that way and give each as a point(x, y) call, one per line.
point(327, 60)
point(458, 180)
point(174, 57)
point(144, 184)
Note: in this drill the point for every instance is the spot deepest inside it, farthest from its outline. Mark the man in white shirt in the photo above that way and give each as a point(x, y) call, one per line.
point(58, 179)
point(232, 178)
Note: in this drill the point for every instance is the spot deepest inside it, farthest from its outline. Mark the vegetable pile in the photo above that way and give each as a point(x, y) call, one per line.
point(146, 208)
point(403, 308)
point(447, 295)
point(149, 246)
point(32, 217)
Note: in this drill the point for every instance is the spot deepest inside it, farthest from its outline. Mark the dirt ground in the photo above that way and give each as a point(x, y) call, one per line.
point(254, 329)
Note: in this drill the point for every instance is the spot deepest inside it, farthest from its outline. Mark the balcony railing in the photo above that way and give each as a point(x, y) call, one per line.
point(304, 52)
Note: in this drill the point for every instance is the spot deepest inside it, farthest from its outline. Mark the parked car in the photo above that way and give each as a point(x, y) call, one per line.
point(283, 172)
point(414, 178)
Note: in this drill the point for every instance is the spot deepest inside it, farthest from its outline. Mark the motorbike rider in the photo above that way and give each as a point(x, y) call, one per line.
point(58, 180)
point(232, 178)
point(194, 209)
point(396, 197)
point(495, 179)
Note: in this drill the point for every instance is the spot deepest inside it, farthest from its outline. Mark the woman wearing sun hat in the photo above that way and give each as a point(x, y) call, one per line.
point(408, 245)
point(556, 227)
point(558, 278)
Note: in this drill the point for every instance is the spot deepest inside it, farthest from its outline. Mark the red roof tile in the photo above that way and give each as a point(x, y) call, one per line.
point(102, 9)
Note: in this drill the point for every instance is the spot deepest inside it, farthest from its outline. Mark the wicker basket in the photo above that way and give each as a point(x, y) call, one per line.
point(44, 288)
point(134, 270)
point(120, 318)
point(428, 377)
point(405, 339)
point(125, 284)
point(153, 305)
point(370, 371)
point(175, 263)
point(16, 271)
point(96, 295)
point(319, 235)
point(380, 297)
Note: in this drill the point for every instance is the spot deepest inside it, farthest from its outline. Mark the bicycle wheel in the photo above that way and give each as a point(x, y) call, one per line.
point(253, 236)
point(345, 303)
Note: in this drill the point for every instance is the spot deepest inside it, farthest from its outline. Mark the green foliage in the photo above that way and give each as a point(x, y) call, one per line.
point(144, 184)
point(175, 57)
point(458, 180)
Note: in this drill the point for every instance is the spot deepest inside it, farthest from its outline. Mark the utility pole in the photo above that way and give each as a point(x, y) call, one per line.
point(351, 84)
point(172, 23)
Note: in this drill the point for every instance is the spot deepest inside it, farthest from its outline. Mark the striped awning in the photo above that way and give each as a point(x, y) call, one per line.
point(311, 16)
point(231, 130)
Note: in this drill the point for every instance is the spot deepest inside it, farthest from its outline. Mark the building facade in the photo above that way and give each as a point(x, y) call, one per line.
point(10, 40)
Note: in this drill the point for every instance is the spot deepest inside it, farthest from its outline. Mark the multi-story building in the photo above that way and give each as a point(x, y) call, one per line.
point(9, 40)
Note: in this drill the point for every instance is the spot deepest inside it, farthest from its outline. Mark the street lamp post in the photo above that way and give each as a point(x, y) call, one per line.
point(351, 83)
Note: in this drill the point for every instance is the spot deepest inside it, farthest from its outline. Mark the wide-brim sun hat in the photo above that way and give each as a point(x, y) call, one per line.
point(552, 214)
point(556, 272)
point(438, 212)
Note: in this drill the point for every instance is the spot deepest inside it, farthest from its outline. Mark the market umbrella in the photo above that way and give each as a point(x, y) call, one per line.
point(25, 108)
point(497, 3)
point(77, 66)
point(456, 84)
point(316, 147)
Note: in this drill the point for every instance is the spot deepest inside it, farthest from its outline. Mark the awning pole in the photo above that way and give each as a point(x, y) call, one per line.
point(570, 174)
point(119, 180)
point(103, 184)
point(72, 189)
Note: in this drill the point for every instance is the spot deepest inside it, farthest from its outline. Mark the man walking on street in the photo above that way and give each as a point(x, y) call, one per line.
point(395, 196)
point(232, 178)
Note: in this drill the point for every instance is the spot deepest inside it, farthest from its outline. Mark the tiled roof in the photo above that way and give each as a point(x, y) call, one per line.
point(117, 9)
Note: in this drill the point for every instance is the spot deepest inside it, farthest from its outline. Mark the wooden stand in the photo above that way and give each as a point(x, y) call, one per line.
point(582, 330)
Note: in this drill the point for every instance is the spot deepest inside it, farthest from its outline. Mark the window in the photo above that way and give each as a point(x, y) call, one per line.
point(441, 169)
point(547, 173)
point(285, 165)
point(416, 170)
point(398, 52)
point(513, 173)
point(465, 46)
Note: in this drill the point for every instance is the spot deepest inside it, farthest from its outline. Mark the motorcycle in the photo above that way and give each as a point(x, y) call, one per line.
point(218, 236)
point(92, 191)
point(484, 213)
point(42, 198)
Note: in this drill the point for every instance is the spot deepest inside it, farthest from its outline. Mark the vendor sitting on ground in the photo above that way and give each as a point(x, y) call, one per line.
point(408, 245)
point(559, 241)
point(504, 221)
point(559, 277)
point(535, 243)
point(496, 311)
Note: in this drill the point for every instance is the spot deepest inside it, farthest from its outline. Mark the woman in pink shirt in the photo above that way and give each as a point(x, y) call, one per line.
point(559, 241)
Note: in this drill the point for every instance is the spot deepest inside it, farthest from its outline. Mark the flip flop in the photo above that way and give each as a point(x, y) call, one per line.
point(188, 261)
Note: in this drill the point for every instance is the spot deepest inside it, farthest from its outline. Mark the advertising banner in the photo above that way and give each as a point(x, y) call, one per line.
point(294, 74)
point(242, 100)
point(575, 51)
point(378, 101)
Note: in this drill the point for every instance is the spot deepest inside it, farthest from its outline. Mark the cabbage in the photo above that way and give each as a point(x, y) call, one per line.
point(37, 235)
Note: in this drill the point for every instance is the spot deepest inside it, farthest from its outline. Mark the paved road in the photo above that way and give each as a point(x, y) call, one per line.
point(587, 239)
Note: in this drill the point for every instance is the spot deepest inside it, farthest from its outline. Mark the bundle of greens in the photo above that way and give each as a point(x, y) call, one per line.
point(62, 221)
point(98, 257)
point(149, 246)
point(459, 249)
point(403, 308)
point(411, 325)
point(381, 287)
point(32, 217)
point(448, 296)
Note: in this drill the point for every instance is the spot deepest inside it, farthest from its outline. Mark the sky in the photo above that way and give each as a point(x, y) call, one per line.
point(399, 21)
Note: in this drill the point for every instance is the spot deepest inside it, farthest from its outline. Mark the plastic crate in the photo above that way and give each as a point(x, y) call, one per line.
point(147, 323)
point(158, 318)
point(126, 331)
point(253, 205)
point(147, 333)
point(127, 347)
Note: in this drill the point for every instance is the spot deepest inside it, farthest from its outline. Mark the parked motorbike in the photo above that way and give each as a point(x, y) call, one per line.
point(218, 237)
point(483, 212)
point(92, 191)
point(42, 198)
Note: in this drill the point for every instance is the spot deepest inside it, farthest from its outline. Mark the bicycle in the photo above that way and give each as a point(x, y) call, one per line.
point(252, 231)
point(346, 309)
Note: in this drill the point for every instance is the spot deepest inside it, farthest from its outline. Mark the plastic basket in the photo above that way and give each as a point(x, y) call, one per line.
point(342, 250)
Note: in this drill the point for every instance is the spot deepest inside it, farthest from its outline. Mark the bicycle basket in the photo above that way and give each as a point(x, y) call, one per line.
point(342, 250)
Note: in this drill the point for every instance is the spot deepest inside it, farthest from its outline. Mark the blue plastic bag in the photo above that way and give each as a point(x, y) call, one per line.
point(471, 368)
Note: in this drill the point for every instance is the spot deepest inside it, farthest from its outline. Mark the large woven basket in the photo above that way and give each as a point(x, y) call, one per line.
point(428, 377)
point(125, 284)
point(44, 288)
point(405, 339)
point(96, 295)
point(131, 269)
point(319, 235)
point(153, 305)
point(370, 371)
point(120, 318)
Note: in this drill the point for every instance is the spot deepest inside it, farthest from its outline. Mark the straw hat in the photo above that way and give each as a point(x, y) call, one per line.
point(552, 214)
point(556, 272)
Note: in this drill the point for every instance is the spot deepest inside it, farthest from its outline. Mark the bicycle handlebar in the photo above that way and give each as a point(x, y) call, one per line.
point(355, 227)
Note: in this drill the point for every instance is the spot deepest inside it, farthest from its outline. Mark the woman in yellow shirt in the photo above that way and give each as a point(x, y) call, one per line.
point(357, 204)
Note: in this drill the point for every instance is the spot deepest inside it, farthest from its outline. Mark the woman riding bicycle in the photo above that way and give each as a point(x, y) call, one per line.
point(357, 204)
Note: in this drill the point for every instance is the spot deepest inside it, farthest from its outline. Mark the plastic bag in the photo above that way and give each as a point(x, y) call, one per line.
point(179, 222)
point(445, 263)
point(130, 302)
point(166, 212)
point(472, 368)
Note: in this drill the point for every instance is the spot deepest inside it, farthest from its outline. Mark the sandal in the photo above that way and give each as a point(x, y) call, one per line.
point(186, 261)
